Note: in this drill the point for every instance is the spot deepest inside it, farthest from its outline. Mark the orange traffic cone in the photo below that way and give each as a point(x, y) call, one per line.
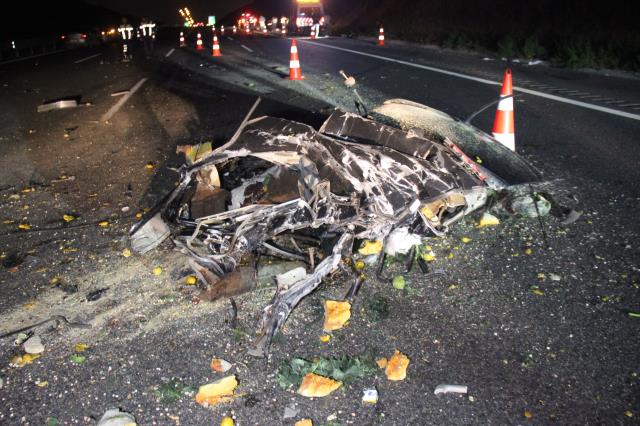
point(295, 73)
point(503, 127)
point(182, 43)
point(199, 45)
point(313, 32)
point(216, 47)
point(222, 29)
point(381, 37)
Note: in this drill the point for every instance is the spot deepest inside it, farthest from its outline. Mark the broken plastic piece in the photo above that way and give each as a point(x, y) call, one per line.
point(49, 106)
point(370, 396)
point(450, 389)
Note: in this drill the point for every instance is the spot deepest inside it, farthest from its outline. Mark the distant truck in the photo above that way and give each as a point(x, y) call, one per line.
point(306, 14)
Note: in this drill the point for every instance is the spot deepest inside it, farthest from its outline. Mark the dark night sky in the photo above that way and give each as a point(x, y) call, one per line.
point(167, 10)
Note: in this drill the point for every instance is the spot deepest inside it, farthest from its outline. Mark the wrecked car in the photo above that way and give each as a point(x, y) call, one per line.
point(283, 188)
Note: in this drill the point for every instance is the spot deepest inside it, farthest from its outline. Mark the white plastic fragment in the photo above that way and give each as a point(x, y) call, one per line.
point(400, 241)
point(67, 103)
point(370, 396)
point(291, 277)
point(115, 417)
point(450, 389)
point(33, 345)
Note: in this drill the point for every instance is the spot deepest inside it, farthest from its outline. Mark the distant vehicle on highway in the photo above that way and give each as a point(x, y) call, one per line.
point(75, 39)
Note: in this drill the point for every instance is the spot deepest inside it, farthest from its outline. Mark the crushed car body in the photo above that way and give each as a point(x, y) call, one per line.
point(282, 188)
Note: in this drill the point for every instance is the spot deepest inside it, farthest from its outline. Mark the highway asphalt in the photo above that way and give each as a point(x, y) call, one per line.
point(567, 354)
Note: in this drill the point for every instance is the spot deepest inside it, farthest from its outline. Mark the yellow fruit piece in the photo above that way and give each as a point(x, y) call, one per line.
point(541, 276)
point(42, 384)
point(138, 215)
point(24, 226)
point(382, 362)
point(325, 338)
point(628, 413)
point(428, 256)
point(370, 247)
point(227, 421)
point(359, 265)
point(218, 391)
point(528, 414)
point(149, 166)
point(304, 422)
point(30, 304)
point(488, 219)
point(68, 217)
point(450, 256)
point(157, 270)
point(537, 291)
point(315, 386)
point(54, 280)
point(191, 280)
point(397, 366)
point(22, 360)
point(465, 240)
point(103, 224)
point(126, 252)
point(80, 347)
point(7, 222)
point(336, 314)
point(528, 251)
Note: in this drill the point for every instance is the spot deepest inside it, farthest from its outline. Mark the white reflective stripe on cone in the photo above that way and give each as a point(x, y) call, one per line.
point(294, 64)
point(294, 49)
point(506, 139)
point(506, 104)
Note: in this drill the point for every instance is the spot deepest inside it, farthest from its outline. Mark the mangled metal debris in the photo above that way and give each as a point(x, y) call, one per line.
point(58, 104)
point(282, 188)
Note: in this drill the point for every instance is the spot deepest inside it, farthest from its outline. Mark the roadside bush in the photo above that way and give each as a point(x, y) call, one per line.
point(531, 48)
point(582, 54)
point(507, 47)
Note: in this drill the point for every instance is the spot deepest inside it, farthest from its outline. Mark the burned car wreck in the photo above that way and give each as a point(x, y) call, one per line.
point(404, 170)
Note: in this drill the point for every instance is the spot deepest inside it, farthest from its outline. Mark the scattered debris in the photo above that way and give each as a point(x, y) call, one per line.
point(115, 417)
point(370, 396)
point(336, 314)
point(20, 361)
point(396, 368)
point(157, 270)
point(349, 81)
point(290, 411)
point(219, 391)
point(120, 93)
point(399, 282)
point(77, 359)
point(291, 277)
point(227, 421)
point(343, 369)
point(173, 390)
point(33, 345)
point(450, 389)
point(96, 294)
point(530, 205)
point(304, 422)
point(316, 386)
point(281, 188)
point(219, 365)
point(191, 280)
point(58, 104)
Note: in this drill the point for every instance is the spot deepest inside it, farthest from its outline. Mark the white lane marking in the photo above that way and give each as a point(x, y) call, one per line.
point(169, 52)
point(107, 116)
point(485, 81)
point(230, 38)
point(87, 58)
point(246, 48)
